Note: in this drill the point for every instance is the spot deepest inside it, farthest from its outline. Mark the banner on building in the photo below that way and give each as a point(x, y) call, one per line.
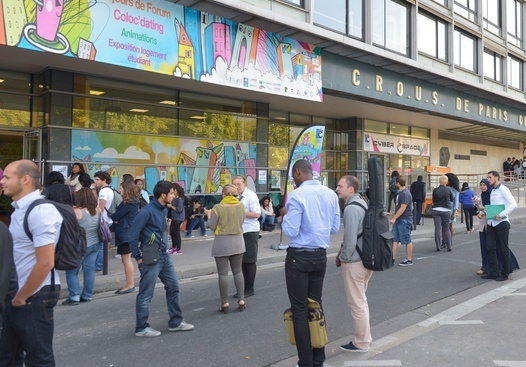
point(162, 37)
point(389, 144)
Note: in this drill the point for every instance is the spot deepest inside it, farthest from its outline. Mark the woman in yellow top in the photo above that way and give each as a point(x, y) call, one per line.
point(226, 220)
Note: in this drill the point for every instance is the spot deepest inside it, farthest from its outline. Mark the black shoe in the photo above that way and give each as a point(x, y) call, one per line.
point(487, 276)
point(70, 302)
point(443, 244)
point(82, 300)
point(351, 348)
point(501, 278)
point(438, 250)
point(448, 250)
point(235, 295)
point(249, 293)
point(394, 262)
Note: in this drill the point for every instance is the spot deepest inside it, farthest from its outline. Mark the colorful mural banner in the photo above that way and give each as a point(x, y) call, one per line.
point(395, 144)
point(201, 166)
point(308, 146)
point(162, 37)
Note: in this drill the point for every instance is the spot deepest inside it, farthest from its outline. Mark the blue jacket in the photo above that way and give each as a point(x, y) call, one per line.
point(151, 220)
point(466, 198)
point(124, 215)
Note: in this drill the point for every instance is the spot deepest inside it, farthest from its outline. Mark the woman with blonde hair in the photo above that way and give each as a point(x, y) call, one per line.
point(442, 204)
point(226, 220)
point(124, 216)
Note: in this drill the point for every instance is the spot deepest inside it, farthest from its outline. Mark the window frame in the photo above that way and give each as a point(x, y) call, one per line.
point(457, 48)
point(517, 37)
point(468, 10)
point(437, 22)
point(497, 71)
point(487, 24)
point(521, 73)
point(385, 27)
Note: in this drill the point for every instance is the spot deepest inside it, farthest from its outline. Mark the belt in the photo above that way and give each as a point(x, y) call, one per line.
point(303, 249)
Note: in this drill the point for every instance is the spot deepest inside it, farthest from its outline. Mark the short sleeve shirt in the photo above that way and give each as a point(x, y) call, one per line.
point(404, 197)
point(106, 193)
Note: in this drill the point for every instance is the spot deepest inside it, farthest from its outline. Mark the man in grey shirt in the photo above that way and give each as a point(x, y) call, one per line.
point(402, 222)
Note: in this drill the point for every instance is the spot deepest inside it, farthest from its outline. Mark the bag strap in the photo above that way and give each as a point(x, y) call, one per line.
point(26, 216)
point(361, 206)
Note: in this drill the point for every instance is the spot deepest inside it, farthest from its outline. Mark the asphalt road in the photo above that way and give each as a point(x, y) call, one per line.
point(101, 333)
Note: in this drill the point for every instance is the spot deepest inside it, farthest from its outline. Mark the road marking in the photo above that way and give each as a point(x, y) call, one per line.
point(385, 363)
point(515, 294)
point(462, 322)
point(510, 363)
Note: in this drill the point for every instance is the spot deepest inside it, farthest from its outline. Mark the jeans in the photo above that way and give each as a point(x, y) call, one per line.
point(441, 220)
point(100, 256)
point(497, 240)
point(392, 198)
point(468, 216)
point(266, 218)
point(165, 271)
point(418, 211)
point(304, 273)
point(30, 328)
point(175, 233)
point(193, 223)
point(88, 272)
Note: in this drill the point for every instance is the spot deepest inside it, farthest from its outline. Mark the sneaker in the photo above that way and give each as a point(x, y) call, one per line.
point(443, 244)
point(480, 272)
point(70, 302)
point(394, 262)
point(148, 332)
point(501, 278)
point(351, 348)
point(171, 251)
point(178, 252)
point(406, 262)
point(205, 235)
point(183, 326)
point(84, 300)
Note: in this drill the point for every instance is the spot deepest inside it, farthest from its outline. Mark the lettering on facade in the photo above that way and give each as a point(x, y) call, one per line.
point(462, 105)
point(462, 157)
point(478, 152)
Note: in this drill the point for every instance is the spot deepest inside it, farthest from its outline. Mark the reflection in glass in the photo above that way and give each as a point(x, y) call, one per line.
point(330, 14)
point(465, 51)
point(515, 73)
point(514, 22)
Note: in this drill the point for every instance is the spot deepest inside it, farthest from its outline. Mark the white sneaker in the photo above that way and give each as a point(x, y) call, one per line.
point(183, 326)
point(148, 332)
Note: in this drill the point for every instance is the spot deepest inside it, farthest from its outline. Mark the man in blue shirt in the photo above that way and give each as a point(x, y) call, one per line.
point(150, 227)
point(310, 216)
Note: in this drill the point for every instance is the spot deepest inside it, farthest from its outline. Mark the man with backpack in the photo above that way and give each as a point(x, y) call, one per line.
point(27, 324)
point(355, 275)
point(106, 198)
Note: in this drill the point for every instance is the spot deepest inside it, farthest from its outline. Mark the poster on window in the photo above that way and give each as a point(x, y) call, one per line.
point(275, 180)
point(380, 143)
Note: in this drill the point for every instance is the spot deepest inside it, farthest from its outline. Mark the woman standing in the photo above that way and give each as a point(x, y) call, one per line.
point(176, 215)
point(73, 179)
point(466, 199)
point(393, 190)
point(454, 184)
point(485, 195)
point(226, 220)
point(442, 199)
point(124, 216)
point(88, 215)
point(57, 190)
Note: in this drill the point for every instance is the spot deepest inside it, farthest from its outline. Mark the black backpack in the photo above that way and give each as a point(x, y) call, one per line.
point(377, 243)
point(71, 245)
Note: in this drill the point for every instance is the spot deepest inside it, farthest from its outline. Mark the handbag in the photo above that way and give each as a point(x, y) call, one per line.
point(104, 231)
point(183, 225)
point(151, 251)
point(318, 332)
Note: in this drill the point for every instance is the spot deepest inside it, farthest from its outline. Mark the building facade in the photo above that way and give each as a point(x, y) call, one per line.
point(197, 91)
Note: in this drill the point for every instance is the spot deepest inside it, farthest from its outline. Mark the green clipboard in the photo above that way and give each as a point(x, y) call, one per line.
point(493, 210)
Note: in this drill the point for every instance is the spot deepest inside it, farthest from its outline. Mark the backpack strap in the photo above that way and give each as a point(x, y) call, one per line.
point(361, 206)
point(26, 216)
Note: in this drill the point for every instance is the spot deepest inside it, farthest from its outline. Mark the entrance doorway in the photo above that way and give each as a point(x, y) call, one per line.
point(11, 149)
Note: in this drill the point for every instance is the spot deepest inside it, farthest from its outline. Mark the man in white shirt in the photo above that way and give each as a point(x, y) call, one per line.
point(250, 232)
point(106, 196)
point(27, 323)
point(498, 230)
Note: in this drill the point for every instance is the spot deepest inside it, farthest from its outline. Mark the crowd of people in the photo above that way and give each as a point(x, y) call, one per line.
point(514, 168)
point(28, 277)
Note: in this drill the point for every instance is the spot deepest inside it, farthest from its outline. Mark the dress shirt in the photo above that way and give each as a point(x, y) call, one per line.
point(502, 195)
point(44, 223)
point(313, 214)
point(251, 202)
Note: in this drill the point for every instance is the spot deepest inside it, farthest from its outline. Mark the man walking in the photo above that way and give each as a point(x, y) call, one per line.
point(498, 230)
point(418, 192)
point(150, 227)
point(251, 228)
point(310, 216)
point(402, 222)
point(27, 324)
point(355, 275)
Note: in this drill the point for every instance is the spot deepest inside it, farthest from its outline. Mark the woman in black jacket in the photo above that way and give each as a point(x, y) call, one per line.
point(442, 199)
point(124, 216)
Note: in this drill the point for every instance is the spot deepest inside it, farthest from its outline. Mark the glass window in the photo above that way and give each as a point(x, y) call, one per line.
point(467, 9)
point(432, 36)
point(465, 51)
point(491, 15)
point(514, 22)
point(14, 99)
point(419, 132)
point(355, 28)
point(492, 65)
point(330, 14)
point(390, 25)
point(396, 129)
point(441, 2)
point(514, 72)
point(295, 2)
point(376, 126)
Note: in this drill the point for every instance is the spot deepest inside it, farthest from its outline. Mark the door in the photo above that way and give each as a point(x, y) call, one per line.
point(11, 143)
point(33, 147)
